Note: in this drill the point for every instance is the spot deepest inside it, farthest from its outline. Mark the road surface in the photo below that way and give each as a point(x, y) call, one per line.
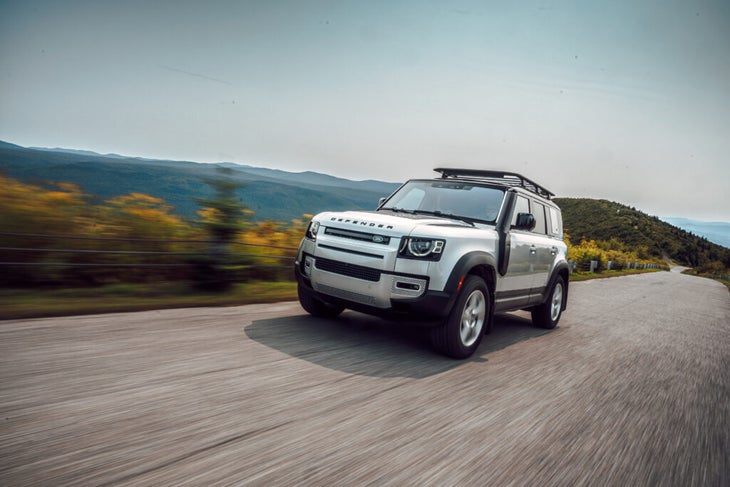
point(632, 388)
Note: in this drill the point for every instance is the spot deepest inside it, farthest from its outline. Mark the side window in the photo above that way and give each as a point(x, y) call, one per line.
point(522, 205)
point(555, 223)
point(538, 211)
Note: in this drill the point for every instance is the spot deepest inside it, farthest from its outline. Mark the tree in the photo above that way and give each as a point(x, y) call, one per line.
point(223, 217)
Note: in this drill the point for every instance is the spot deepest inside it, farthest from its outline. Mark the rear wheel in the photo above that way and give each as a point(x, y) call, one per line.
point(461, 334)
point(548, 313)
point(315, 307)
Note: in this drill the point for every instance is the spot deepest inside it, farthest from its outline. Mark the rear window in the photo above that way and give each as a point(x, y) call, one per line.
point(555, 223)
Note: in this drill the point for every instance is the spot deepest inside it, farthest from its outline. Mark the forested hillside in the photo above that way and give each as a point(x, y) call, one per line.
point(602, 220)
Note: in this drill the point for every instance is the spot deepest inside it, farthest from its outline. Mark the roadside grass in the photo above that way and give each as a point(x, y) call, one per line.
point(585, 276)
point(38, 303)
point(117, 298)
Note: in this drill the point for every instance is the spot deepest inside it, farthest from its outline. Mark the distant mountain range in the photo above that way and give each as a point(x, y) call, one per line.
point(270, 193)
point(717, 232)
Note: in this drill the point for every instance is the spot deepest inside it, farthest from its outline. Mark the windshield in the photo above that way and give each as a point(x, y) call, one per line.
point(449, 199)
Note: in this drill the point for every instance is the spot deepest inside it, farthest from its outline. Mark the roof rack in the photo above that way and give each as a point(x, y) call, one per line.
point(500, 177)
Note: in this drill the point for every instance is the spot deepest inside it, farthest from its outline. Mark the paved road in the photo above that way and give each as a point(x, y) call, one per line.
point(633, 388)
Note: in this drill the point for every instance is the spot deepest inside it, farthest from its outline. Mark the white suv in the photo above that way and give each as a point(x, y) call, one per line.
point(446, 252)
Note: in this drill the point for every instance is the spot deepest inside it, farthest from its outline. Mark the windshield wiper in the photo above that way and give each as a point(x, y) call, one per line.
point(399, 210)
point(445, 215)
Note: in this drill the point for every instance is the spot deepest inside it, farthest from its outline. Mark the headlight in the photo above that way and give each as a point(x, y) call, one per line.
point(312, 230)
point(422, 248)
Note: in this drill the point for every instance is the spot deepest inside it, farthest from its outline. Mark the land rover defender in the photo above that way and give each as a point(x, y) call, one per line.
point(446, 253)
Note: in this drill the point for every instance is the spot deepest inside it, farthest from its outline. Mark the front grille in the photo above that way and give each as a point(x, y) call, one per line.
point(362, 236)
point(345, 269)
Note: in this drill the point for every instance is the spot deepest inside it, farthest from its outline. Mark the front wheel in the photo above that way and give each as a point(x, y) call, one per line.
point(548, 313)
point(461, 334)
point(315, 307)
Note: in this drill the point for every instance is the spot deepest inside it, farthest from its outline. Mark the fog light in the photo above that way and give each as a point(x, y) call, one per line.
point(408, 285)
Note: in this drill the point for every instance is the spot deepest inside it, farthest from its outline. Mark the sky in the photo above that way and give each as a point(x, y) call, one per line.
point(623, 100)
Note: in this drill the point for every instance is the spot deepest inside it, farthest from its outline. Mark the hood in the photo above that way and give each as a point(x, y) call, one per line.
point(385, 223)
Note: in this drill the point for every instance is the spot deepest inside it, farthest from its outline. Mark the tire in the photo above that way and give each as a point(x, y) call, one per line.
point(460, 335)
point(315, 307)
point(548, 313)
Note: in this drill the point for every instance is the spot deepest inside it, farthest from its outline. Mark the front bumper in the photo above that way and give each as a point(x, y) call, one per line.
point(392, 295)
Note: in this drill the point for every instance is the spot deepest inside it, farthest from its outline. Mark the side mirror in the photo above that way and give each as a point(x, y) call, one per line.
point(381, 201)
point(525, 221)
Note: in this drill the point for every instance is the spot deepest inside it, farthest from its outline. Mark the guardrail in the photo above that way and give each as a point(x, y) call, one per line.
point(46, 257)
point(599, 266)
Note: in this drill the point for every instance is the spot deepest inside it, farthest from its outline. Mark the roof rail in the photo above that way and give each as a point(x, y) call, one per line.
point(500, 177)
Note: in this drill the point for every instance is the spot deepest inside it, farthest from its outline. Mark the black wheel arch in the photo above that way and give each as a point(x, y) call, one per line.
point(561, 270)
point(476, 263)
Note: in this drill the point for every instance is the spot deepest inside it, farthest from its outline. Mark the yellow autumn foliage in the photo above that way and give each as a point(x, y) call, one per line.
point(129, 224)
point(604, 251)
